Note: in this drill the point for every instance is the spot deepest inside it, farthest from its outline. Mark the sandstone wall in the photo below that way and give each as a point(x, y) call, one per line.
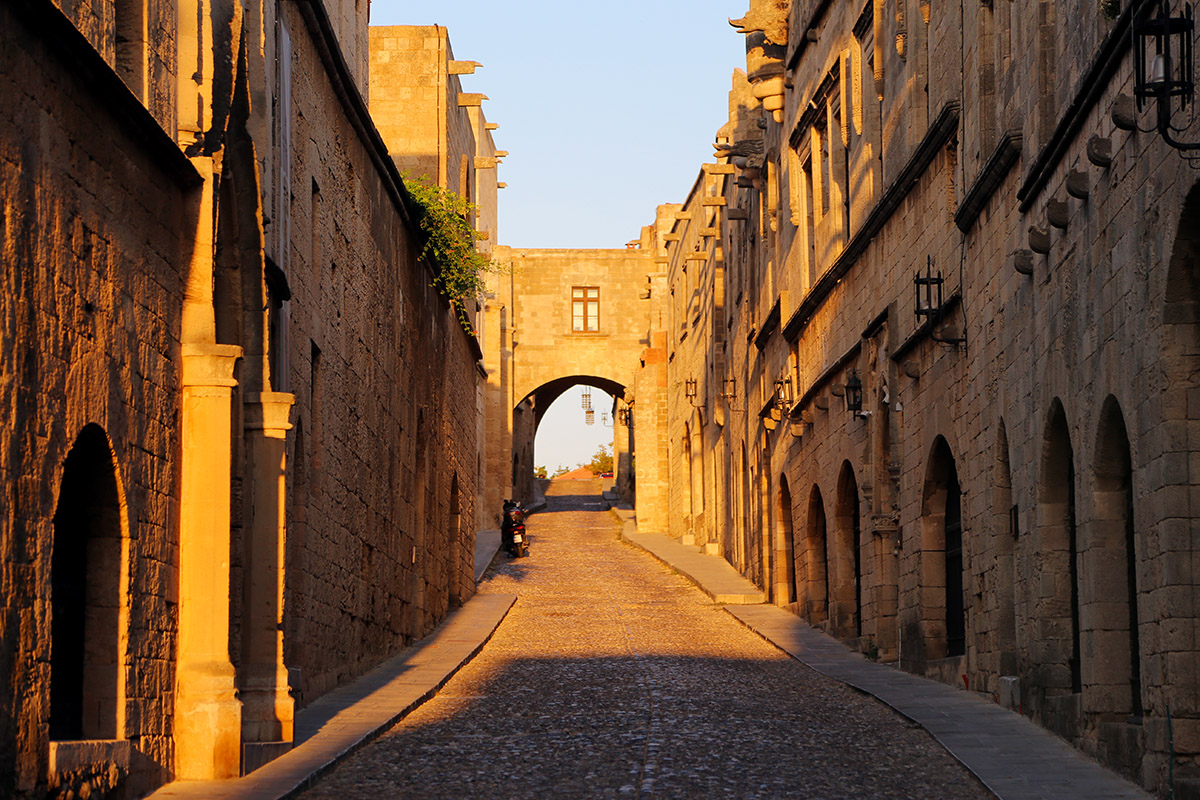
point(385, 428)
point(968, 147)
point(90, 297)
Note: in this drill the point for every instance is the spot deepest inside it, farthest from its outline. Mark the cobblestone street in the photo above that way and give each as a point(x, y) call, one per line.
point(614, 677)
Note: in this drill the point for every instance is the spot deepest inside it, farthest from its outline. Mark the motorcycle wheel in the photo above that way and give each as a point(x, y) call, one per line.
point(524, 550)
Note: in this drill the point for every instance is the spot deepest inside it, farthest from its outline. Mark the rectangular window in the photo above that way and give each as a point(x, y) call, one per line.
point(585, 308)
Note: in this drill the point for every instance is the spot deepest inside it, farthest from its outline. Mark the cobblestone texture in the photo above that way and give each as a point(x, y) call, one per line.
point(614, 677)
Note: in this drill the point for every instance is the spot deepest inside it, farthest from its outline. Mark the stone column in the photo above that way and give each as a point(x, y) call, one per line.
point(207, 712)
point(267, 706)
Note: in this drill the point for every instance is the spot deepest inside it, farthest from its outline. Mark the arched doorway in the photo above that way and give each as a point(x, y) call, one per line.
point(88, 584)
point(785, 548)
point(846, 594)
point(817, 562)
point(943, 611)
point(1110, 618)
point(1056, 558)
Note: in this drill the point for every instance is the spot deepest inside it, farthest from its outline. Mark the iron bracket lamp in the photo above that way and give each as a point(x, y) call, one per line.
point(931, 305)
point(1163, 64)
point(783, 393)
point(854, 395)
point(729, 392)
point(623, 416)
point(689, 391)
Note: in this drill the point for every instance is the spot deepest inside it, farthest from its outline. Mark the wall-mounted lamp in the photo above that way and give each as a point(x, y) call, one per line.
point(783, 393)
point(854, 393)
point(729, 390)
point(1163, 64)
point(689, 390)
point(931, 305)
point(623, 416)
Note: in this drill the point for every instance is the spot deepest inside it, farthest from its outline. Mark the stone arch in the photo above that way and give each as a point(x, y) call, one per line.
point(1005, 527)
point(817, 560)
point(1109, 614)
point(943, 612)
point(1058, 671)
point(845, 595)
point(785, 546)
point(89, 586)
point(540, 398)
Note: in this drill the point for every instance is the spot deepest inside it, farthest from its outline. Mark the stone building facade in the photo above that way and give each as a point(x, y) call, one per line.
point(930, 358)
point(554, 319)
point(239, 427)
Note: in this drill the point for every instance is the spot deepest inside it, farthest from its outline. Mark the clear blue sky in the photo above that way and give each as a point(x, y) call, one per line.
point(607, 109)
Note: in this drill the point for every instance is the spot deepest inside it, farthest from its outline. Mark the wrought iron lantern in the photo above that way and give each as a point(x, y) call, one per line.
point(783, 393)
point(730, 392)
point(1163, 64)
point(623, 416)
point(931, 305)
point(929, 293)
point(689, 388)
point(854, 393)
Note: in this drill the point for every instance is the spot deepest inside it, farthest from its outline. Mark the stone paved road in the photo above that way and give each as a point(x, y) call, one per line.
point(614, 677)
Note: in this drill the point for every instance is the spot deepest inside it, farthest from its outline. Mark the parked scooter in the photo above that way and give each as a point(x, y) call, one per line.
point(513, 537)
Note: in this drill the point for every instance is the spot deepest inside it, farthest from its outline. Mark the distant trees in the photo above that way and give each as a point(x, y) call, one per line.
point(602, 461)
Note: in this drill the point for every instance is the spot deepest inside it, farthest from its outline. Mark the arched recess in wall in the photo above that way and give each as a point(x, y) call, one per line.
point(1109, 619)
point(1055, 558)
point(943, 612)
point(785, 546)
point(1005, 531)
point(742, 532)
point(845, 610)
point(816, 588)
point(89, 578)
point(1169, 541)
point(685, 472)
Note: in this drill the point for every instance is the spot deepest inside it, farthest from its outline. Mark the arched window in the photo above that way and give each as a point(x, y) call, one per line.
point(87, 583)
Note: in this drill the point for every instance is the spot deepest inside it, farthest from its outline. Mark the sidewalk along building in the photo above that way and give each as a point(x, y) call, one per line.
point(930, 355)
point(240, 438)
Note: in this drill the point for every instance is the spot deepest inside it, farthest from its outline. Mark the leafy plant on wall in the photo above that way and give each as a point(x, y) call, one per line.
point(450, 245)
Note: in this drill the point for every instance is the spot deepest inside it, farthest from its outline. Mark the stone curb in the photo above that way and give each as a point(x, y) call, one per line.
point(1014, 758)
point(711, 574)
point(341, 722)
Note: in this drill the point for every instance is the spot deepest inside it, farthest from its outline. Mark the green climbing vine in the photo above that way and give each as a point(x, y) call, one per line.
point(450, 245)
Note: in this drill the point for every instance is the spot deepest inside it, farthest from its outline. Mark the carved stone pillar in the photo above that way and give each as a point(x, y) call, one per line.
point(207, 712)
point(267, 706)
